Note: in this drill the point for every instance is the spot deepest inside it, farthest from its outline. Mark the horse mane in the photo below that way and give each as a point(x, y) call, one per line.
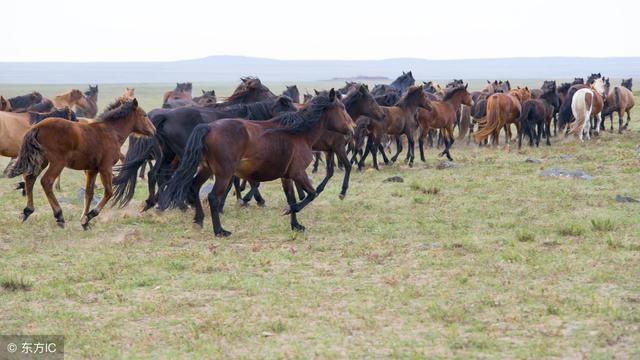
point(301, 121)
point(117, 110)
point(403, 81)
point(353, 95)
point(449, 94)
point(563, 88)
point(65, 113)
point(410, 94)
point(248, 85)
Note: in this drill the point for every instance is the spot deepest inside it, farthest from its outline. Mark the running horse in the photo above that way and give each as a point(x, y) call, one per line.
point(93, 147)
point(585, 104)
point(23, 103)
point(70, 98)
point(258, 151)
point(442, 116)
point(503, 109)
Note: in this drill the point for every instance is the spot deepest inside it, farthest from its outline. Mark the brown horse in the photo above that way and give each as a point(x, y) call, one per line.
point(128, 94)
point(502, 111)
point(70, 98)
point(182, 91)
point(93, 147)
point(88, 108)
point(257, 151)
point(619, 100)
point(5, 105)
point(398, 120)
point(443, 117)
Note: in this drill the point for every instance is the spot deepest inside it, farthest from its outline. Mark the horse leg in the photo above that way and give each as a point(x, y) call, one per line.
point(89, 187)
point(287, 187)
point(342, 158)
point(47, 181)
point(410, 149)
point(330, 166)
point(421, 147)
point(256, 194)
point(316, 163)
point(374, 154)
point(196, 185)
point(367, 149)
point(215, 196)
point(398, 150)
point(106, 179)
point(143, 169)
point(628, 119)
point(58, 185)
point(153, 179)
point(29, 181)
point(620, 120)
point(383, 153)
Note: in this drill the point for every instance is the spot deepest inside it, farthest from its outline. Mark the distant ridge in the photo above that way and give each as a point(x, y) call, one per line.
point(360, 78)
point(230, 68)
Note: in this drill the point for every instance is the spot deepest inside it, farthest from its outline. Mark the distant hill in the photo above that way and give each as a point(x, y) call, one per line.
point(230, 68)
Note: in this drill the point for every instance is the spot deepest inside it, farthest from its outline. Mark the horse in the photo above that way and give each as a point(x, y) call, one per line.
point(628, 83)
point(578, 81)
point(593, 77)
point(536, 115)
point(70, 98)
point(91, 102)
point(94, 148)
point(24, 103)
point(257, 151)
point(293, 93)
point(182, 91)
point(128, 94)
point(208, 98)
point(619, 100)
point(502, 110)
point(5, 105)
point(442, 116)
point(13, 127)
point(398, 120)
point(173, 127)
point(586, 103)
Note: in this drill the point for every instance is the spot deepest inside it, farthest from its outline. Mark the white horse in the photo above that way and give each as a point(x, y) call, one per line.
point(586, 104)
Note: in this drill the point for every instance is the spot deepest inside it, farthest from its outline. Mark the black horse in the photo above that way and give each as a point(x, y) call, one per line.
point(24, 103)
point(628, 83)
point(293, 93)
point(536, 115)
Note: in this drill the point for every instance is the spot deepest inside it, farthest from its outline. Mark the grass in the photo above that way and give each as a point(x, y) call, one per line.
point(498, 262)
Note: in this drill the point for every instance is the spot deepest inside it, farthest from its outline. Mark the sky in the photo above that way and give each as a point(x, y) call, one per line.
point(117, 30)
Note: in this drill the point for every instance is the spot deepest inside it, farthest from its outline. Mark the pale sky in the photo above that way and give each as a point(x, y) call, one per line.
point(117, 30)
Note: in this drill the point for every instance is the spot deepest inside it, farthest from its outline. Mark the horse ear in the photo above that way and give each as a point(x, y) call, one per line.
point(466, 86)
point(332, 95)
point(488, 82)
point(316, 91)
point(203, 92)
point(135, 103)
point(526, 88)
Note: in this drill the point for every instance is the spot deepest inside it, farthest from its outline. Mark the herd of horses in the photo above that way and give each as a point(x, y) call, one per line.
point(255, 136)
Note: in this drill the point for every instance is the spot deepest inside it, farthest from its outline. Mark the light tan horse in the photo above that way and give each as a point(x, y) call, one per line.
point(585, 104)
point(70, 98)
point(620, 100)
point(5, 105)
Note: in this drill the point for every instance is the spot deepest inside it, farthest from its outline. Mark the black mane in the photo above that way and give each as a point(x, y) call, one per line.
point(304, 119)
point(403, 81)
point(449, 94)
point(120, 109)
point(64, 113)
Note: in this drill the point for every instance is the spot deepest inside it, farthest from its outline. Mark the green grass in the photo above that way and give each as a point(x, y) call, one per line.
point(484, 260)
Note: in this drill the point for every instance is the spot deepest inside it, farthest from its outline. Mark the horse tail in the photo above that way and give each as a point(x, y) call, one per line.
point(174, 192)
point(30, 158)
point(566, 113)
point(139, 152)
point(525, 126)
point(580, 112)
point(616, 94)
point(493, 110)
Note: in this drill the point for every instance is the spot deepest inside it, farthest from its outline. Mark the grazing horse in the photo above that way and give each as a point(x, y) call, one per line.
point(173, 127)
point(91, 100)
point(257, 151)
point(398, 120)
point(628, 83)
point(442, 116)
point(70, 98)
point(208, 98)
point(536, 115)
point(619, 100)
point(24, 103)
point(586, 103)
point(93, 147)
point(293, 93)
point(502, 110)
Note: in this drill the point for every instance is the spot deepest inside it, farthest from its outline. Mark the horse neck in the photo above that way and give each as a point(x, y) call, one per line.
point(122, 128)
point(455, 100)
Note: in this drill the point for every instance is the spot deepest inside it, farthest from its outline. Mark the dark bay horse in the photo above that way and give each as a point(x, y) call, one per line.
point(177, 96)
point(293, 93)
point(536, 115)
point(93, 147)
point(89, 108)
point(257, 151)
point(628, 83)
point(208, 98)
point(442, 116)
point(398, 120)
point(23, 103)
point(173, 127)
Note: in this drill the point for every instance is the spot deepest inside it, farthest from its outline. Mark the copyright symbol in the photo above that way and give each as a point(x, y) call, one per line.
point(12, 347)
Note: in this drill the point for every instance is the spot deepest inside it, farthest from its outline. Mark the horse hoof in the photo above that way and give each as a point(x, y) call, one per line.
point(223, 233)
point(85, 226)
point(297, 227)
point(342, 196)
point(244, 203)
point(262, 204)
point(61, 224)
point(26, 213)
point(410, 164)
point(197, 224)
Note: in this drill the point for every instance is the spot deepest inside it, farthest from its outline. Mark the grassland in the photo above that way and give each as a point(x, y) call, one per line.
point(484, 260)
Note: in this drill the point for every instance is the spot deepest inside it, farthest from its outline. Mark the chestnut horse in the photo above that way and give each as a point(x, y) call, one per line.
point(70, 98)
point(257, 151)
point(443, 117)
point(619, 100)
point(93, 147)
point(502, 111)
point(88, 108)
